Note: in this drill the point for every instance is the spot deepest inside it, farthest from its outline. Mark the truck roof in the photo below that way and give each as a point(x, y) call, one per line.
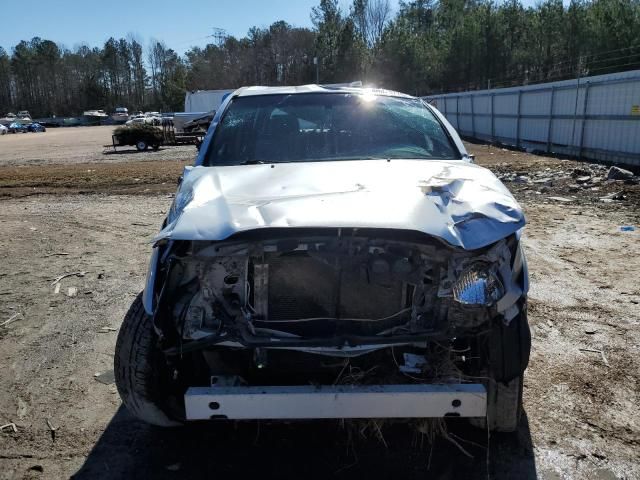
point(257, 90)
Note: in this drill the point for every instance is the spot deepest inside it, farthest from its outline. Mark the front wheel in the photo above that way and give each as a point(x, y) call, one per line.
point(139, 368)
point(508, 356)
point(141, 145)
point(504, 406)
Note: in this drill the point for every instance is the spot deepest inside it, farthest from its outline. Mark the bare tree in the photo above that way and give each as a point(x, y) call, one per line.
point(379, 14)
point(139, 73)
point(371, 17)
point(155, 59)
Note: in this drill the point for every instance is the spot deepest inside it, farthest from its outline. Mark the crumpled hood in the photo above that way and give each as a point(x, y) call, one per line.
point(461, 203)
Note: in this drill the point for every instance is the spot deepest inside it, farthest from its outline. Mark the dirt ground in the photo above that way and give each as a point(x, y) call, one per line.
point(75, 146)
point(66, 207)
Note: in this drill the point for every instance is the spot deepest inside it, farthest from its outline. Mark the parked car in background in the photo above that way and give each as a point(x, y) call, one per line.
point(156, 117)
point(137, 119)
point(120, 115)
point(36, 127)
point(333, 253)
point(3, 130)
point(149, 118)
point(17, 127)
point(95, 117)
point(24, 116)
point(8, 118)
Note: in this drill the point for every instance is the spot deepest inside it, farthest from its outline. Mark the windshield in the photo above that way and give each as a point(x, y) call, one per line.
point(323, 127)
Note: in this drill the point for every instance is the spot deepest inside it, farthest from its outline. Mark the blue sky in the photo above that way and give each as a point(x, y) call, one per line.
point(179, 23)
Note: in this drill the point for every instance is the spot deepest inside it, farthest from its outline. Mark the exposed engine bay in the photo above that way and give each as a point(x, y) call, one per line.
point(309, 306)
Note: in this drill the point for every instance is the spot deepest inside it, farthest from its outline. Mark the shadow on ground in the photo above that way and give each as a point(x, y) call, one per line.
point(130, 449)
point(123, 150)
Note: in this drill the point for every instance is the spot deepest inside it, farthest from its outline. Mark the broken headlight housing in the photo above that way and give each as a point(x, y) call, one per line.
point(478, 285)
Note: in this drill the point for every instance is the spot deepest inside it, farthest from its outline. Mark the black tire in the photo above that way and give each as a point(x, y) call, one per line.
point(155, 147)
point(142, 145)
point(139, 367)
point(509, 350)
point(504, 406)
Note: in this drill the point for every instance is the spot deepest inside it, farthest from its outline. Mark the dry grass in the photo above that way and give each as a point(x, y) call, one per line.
point(439, 369)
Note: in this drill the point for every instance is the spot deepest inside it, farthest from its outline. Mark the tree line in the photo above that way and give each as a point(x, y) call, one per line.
point(47, 79)
point(426, 46)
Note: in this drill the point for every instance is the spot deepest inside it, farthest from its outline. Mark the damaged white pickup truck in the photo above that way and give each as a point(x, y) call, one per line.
point(333, 253)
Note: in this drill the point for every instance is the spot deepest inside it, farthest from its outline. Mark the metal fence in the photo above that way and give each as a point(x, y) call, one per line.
point(592, 117)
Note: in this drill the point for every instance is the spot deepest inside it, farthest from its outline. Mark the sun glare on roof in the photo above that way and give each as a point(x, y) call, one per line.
point(368, 96)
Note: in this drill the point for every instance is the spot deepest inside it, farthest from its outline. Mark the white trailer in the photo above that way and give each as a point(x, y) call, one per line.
point(204, 100)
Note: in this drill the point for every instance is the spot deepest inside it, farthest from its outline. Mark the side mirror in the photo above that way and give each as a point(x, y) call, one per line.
point(472, 158)
point(180, 178)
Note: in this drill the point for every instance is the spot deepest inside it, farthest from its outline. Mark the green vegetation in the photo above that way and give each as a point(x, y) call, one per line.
point(428, 46)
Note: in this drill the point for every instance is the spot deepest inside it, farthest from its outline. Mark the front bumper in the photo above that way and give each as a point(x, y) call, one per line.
point(338, 401)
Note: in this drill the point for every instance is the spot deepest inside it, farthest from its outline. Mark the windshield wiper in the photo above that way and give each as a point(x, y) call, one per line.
point(252, 162)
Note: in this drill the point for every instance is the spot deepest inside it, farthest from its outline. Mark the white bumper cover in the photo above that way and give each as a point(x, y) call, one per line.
point(340, 401)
